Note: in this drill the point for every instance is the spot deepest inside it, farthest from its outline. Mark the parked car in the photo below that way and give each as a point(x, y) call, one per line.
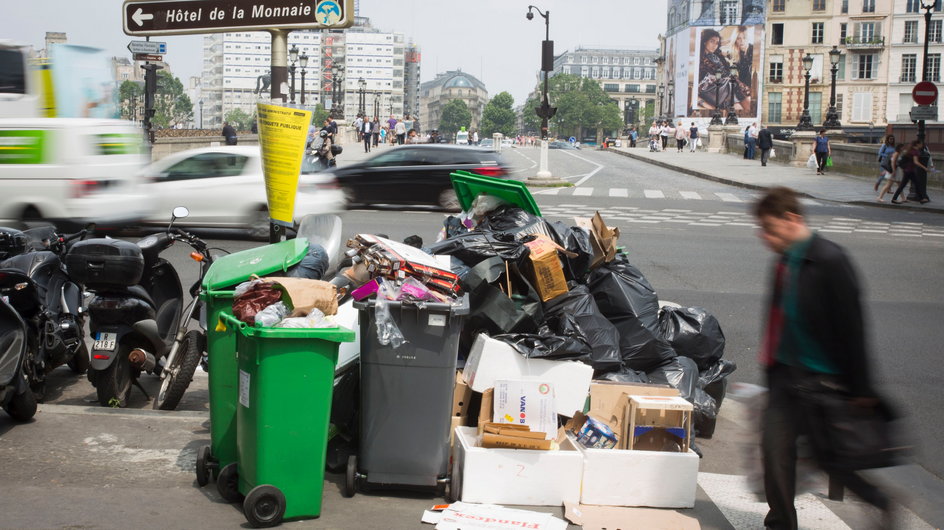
point(561, 145)
point(415, 174)
point(507, 143)
point(462, 138)
point(488, 143)
point(224, 187)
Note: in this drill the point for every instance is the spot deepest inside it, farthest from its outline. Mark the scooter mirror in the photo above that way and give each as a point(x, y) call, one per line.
point(180, 212)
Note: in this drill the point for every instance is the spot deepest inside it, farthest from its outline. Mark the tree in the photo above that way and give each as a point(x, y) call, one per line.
point(130, 99)
point(580, 102)
point(498, 116)
point(455, 116)
point(171, 104)
point(319, 114)
point(239, 119)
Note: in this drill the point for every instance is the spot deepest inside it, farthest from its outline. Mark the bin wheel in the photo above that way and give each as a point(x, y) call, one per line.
point(264, 506)
point(350, 479)
point(203, 470)
point(227, 483)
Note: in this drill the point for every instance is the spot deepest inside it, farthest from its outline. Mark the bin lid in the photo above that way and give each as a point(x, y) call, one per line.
point(232, 269)
point(335, 334)
point(468, 186)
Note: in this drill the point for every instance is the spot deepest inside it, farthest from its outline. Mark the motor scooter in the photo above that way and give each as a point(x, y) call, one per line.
point(15, 395)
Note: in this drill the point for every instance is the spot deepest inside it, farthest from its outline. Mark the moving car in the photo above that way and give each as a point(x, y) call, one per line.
point(224, 187)
point(507, 143)
point(561, 145)
point(462, 138)
point(415, 174)
point(487, 143)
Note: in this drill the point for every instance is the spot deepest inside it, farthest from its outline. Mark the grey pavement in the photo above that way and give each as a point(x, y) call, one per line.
point(734, 170)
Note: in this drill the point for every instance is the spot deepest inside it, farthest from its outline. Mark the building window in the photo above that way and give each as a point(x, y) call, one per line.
point(911, 31)
point(632, 88)
point(866, 32)
point(584, 59)
point(610, 87)
point(650, 89)
point(778, 5)
point(864, 67)
point(637, 73)
point(843, 29)
point(909, 68)
point(862, 106)
point(616, 73)
point(636, 61)
point(839, 105)
point(817, 33)
point(841, 74)
point(934, 67)
point(819, 5)
point(868, 6)
point(595, 72)
point(845, 6)
point(776, 69)
point(605, 72)
point(816, 107)
point(776, 33)
point(934, 31)
point(584, 71)
point(605, 60)
point(774, 107)
point(595, 60)
point(730, 12)
point(570, 59)
point(650, 73)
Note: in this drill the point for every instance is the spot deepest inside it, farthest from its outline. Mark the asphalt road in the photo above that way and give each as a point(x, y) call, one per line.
point(705, 252)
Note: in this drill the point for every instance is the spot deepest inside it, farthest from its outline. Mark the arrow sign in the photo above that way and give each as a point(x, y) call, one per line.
point(924, 93)
point(147, 47)
point(139, 17)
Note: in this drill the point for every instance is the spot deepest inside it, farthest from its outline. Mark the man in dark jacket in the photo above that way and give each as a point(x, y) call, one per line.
point(814, 344)
point(765, 141)
point(229, 134)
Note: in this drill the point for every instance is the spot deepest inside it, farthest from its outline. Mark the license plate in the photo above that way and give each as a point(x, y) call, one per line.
point(105, 341)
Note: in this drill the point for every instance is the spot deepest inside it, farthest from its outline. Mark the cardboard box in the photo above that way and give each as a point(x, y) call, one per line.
point(610, 517)
point(602, 238)
point(669, 418)
point(657, 479)
point(461, 397)
point(485, 409)
point(526, 402)
point(515, 476)
point(491, 360)
point(547, 273)
point(609, 403)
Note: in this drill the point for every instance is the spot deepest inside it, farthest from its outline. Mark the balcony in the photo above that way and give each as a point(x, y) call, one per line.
point(775, 80)
point(863, 43)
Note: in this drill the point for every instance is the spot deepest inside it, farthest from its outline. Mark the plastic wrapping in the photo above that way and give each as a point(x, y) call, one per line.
point(252, 297)
point(626, 298)
point(693, 333)
point(625, 375)
point(573, 329)
point(576, 241)
point(714, 380)
point(270, 316)
point(388, 333)
point(512, 221)
point(315, 319)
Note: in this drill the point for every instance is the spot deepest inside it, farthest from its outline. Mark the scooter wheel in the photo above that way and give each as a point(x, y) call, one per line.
point(264, 506)
point(350, 478)
point(227, 483)
point(203, 470)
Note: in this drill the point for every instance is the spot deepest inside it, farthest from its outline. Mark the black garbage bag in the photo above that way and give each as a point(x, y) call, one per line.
point(625, 297)
point(573, 329)
point(693, 333)
point(512, 221)
point(576, 241)
point(475, 247)
point(453, 226)
point(625, 375)
point(714, 380)
point(682, 374)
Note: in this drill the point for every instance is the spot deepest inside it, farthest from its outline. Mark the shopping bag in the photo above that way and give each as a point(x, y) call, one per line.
point(773, 154)
point(829, 161)
point(811, 162)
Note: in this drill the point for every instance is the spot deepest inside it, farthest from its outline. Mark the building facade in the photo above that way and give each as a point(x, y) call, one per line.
point(445, 87)
point(411, 80)
point(906, 50)
point(627, 76)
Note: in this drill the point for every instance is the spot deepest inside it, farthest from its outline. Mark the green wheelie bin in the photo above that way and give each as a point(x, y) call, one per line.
point(286, 380)
point(216, 293)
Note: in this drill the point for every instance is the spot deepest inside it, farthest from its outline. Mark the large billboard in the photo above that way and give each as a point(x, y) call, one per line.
point(83, 83)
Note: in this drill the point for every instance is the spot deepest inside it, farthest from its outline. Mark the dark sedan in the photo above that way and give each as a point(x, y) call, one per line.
point(561, 145)
point(415, 174)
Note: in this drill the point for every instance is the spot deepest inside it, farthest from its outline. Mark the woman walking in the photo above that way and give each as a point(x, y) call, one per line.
point(891, 171)
point(910, 162)
point(680, 135)
point(884, 152)
point(823, 151)
point(665, 131)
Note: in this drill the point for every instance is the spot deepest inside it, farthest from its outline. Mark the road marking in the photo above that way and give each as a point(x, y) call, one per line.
point(641, 221)
point(571, 205)
point(834, 231)
point(728, 197)
point(582, 192)
point(654, 194)
point(693, 195)
point(550, 191)
point(934, 234)
point(592, 173)
point(704, 224)
point(619, 192)
point(675, 211)
point(752, 225)
point(864, 231)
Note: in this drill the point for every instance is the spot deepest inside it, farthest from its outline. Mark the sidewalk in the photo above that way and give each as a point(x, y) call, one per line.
point(736, 171)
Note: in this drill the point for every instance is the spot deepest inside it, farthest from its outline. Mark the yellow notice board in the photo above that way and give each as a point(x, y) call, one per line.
point(282, 135)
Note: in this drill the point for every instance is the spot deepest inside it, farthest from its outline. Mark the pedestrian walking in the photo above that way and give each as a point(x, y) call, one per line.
point(633, 136)
point(751, 140)
point(412, 137)
point(665, 130)
point(229, 134)
point(475, 137)
point(693, 138)
point(654, 131)
point(822, 150)
point(815, 357)
point(383, 134)
point(747, 141)
point(400, 130)
point(681, 134)
point(910, 163)
point(886, 150)
point(892, 170)
point(765, 141)
point(375, 131)
point(391, 123)
point(367, 133)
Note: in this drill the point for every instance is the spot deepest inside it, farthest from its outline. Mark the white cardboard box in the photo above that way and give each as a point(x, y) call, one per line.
point(657, 479)
point(515, 476)
point(526, 402)
point(491, 360)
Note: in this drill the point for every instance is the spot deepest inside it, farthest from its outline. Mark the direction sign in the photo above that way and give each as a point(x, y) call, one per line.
point(148, 57)
point(177, 17)
point(924, 93)
point(144, 46)
point(924, 112)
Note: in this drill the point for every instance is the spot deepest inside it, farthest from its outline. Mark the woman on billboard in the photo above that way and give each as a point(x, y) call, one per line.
point(717, 86)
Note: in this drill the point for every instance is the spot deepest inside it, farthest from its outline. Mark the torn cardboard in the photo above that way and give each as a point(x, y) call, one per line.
point(461, 396)
point(602, 238)
point(547, 273)
point(620, 518)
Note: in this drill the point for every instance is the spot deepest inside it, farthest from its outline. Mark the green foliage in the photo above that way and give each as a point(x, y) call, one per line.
point(239, 119)
point(171, 103)
point(319, 114)
point(455, 115)
point(581, 103)
point(131, 97)
point(498, 116)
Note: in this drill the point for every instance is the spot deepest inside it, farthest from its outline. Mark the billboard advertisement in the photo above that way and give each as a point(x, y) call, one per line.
point(83, 83)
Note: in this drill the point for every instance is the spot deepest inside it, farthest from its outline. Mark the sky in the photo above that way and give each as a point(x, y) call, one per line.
point(490, 39)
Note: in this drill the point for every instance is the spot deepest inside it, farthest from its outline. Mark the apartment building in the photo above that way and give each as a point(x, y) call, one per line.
point(906, 48)
point(454, 84)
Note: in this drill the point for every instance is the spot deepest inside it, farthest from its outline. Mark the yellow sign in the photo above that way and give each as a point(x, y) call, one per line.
point(282, 135)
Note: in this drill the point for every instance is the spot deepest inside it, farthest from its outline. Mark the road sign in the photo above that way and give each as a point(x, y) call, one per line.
point(148, 57)
point(176, 17)
point(144, 46)
point(924, 112)
point(924, 93)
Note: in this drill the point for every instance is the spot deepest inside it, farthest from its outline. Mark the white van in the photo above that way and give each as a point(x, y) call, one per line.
point(71, 170)
point(462, 138)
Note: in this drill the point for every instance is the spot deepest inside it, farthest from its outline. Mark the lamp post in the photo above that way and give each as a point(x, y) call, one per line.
point(292, 58)
point(670, 101)
point(716, 117)
point(661, 91)
point(201, 114)
point(377, 105)
point(303, 63)
point(732, 118)
point(337, 76)
point(832, 117)
point(545, 110)
point(806, 123)
point(361, 92)
point(927, 6)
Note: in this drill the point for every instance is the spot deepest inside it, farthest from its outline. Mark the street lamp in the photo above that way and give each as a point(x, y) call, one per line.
point(732, 118)
point(361, 98)
point(927, 6)
point(376, 105)
point(545, 110)
point(337, 76)
point(832, 117)
point(292, 58)
point(201, 114)
point(303, 63)
point(661, 91)
point(806, 123)
point(670, 105)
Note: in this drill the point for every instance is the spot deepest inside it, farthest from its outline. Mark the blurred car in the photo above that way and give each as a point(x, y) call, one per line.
point(487, 143)
point(462, 138)
point(415, 174)
point(224, 187)
point(507, 143)
point(561, 145)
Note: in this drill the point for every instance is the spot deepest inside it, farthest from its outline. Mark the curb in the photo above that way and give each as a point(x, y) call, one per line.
point(730, 182)
point(136, 413)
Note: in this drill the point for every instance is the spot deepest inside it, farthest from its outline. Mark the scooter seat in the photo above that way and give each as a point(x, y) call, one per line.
point(141, 293)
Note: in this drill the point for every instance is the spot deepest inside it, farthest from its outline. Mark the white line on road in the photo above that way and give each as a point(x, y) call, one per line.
point(654, 194)
point(694, 195)
point(550, 191)
point(833, 231)
point(583, 192)
point(704, 224)
point(865, 231)
point(592, 173)
point(675, 211)
point(728, 197)
point(619, 192)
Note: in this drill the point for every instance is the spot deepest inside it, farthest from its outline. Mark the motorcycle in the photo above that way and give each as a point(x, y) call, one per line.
point(35, 281)
point(15, 395)
point(137, 315)
point(316, 155)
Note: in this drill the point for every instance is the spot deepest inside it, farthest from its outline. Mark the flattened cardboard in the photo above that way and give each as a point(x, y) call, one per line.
point(485, 409)
point(526, 402)
point(546, 271)
point(504, 441)
point(620, 518)
point(602, 238)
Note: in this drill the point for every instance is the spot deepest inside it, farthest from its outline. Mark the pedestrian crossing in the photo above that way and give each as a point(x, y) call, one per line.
point(688, 195)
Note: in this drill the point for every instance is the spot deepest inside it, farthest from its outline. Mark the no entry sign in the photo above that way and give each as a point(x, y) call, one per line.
point(924, 93)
